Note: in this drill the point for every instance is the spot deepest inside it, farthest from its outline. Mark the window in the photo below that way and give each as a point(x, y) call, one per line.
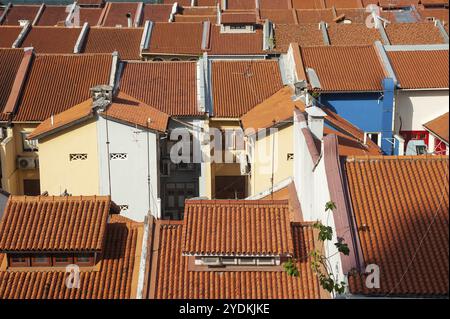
point(158, 59)
point(29, 145)
point(84, 260)
point(78, 157)
point(62, 260)
point(421, 149)
point(19, 261)
point(266, 261)
point(229, 261)
point(118, 156)
point(247, 261)
point(374, 136)
point(237, 27)
point(40, 261)
point(165, 167)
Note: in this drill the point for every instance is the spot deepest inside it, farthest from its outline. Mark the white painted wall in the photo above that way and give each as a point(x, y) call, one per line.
point(415, 108)
point(3, 201)
point(129, 183)
point(312, 191)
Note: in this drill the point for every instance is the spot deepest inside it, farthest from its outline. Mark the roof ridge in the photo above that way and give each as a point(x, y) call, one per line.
point(354, 158)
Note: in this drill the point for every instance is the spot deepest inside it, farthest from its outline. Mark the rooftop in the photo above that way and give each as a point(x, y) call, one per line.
point(52, 16)
point(10, 60)
point(307, 34)
point(8, 34)
point(414, 33)
point(20, 12)
point(439, 126)
point(52, 39)
point(401, 226)
point(116, 13)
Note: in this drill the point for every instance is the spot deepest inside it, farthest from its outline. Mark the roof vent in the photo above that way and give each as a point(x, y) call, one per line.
point(102, 96)
point(129, 20)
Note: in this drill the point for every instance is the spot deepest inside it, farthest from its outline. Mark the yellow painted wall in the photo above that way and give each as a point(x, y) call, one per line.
point(260, 179)
point(59, 173)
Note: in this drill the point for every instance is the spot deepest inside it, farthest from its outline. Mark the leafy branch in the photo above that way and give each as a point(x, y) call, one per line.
point(291, 268)
point(320, 264)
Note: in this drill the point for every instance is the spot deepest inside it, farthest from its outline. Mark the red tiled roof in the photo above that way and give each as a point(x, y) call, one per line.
point(238, 86)
point(308, 4)
point(303, 34)
point(273, 4)
point(338, 4)
point(176, 38)
point(58, 82)
point(90, 2)
point(414, 33)
point(114, 279)
point(174, 280)
point(235, 43)
point(420, 69)
point(176, 82)
point(206, 11)
point(8, 35)
point(52, 39)
point(238, 17)
point(223, 227)
point(345, 68)
point(401, 207)
point(90, 15)
point(19, 12)
point(439, 127)
point(126, 41)
point(278, 16)
point(189, 18)
point(354, 15)
point(315, 16)
point(116, 13)
point(441, 14)
point(52, 15)
point(241, 5)
point(39, 223)
point(157, 12)
point(397, 3)
point(10, 60)
point(352, 34)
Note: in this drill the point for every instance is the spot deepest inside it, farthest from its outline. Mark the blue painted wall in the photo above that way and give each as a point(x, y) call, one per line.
point(371, 111)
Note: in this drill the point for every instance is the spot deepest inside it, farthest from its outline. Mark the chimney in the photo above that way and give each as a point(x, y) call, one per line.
point(316, 121)
point(129, 20)
point(102, 96)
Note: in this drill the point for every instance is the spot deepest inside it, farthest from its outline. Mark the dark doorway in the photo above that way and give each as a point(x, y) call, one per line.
point(31, 187)
point(230, 187)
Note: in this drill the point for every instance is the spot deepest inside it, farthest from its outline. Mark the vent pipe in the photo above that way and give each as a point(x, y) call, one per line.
point(129, 20)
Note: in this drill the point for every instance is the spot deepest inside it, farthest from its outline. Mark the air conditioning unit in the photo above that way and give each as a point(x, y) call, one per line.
point(26, 162)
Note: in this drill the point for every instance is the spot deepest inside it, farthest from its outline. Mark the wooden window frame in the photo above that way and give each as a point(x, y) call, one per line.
point(60, 263)
point(91, 261)
point(21, 264)
point(39, 264)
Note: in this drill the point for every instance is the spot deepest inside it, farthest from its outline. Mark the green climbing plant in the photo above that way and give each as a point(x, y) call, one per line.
point(320, 264)
point(291, 268)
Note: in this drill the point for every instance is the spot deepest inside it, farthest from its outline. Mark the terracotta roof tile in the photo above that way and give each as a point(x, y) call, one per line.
point(434, 2)
point(127, 109)
point(232, 43)
point(52, 15)
point(308, 4)
point(399, 202)
point(352, 34)
point(238, 86)
point(397, 3)
point(284, 16)
point(413, 33)
point(52, 39)
point(114, 279)
point(354, 15)
point(173, 279)
point(303, 34)
point(441, 14)
point(10, 60)
point(157, 12)
point(348, 145)
point(58, 82)
point(420, 69)
point(339, 4)
point(345, 68)
point(90, 15)
point(204, 3)
point(20, 12)
point(126, 41)
point(250, 228)
point(116, 13)
point(54, 223)
point(206, 11)
point(183, 3)
point(315, 16)
point(273, 4)
point(185, 38)
point(91, 2)
point(176, 82)
point(190, 18)
point(241, 5)
point(8, 35)
point(238, 17)
point(439, 126)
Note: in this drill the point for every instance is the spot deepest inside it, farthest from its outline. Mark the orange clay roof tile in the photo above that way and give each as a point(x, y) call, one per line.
point(250, 228)
point(126, 41)
point(54, 223)
point(344, 68)
point(276, 16)
point(238, 86)
point(315, 16)
point(414, 33)
point(274, 4)
point(10, 60)
point(303, 34)
point(116, 13)
point(20, 12)
point(241, 5)
point(308, 4)
point(420, 69)
point(352, 34)
point(231, 43)
point(401, 207)
point(58, 82)
point(52, 39)
point(90, 15)
point(439, 126)
point(157, 12)
point(8, 34)
point(114, 279)
point(177, 93)
point(52, 16)
point(173, 279)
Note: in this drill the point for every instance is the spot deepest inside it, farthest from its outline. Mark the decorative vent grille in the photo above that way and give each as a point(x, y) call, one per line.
point(78, 157)
point(123, 207)
point(118, 156)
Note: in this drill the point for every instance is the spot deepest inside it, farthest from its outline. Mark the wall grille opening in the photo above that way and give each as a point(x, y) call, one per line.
point(118, 156)
point(78, 157)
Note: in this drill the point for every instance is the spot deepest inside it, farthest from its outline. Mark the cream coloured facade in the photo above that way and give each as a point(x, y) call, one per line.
point(69, 161)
